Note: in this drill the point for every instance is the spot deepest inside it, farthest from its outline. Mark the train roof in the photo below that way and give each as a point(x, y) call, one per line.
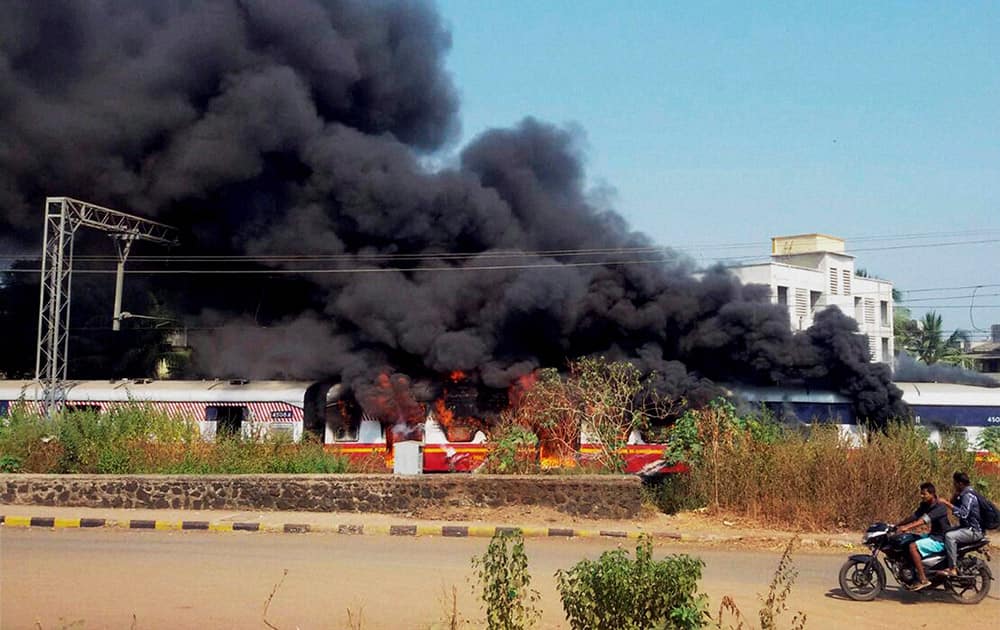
point(752, 393)
point(913, 394)
point(949, 394)
point(166, 391)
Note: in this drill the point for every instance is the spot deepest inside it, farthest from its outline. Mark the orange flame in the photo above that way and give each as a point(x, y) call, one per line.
point(520, 387)
point(457, 375)
point(444, 415)
point(550, 458)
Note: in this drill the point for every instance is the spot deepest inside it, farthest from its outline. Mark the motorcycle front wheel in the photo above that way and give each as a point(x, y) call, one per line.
point(972, 584)
point(862, 580)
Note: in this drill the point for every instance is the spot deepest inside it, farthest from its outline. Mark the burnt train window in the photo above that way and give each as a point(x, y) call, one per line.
point(229, 420)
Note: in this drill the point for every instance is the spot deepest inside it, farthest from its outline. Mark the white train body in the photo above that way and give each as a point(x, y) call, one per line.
point(290, 408)
point(274, 408)
point(938, 407)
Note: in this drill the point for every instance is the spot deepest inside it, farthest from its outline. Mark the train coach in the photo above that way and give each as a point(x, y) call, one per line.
point(940, 408)
point(292, 409)
point(263, 408)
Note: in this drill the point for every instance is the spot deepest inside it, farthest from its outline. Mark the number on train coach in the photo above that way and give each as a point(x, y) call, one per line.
point(993, 420)
point(283, 414)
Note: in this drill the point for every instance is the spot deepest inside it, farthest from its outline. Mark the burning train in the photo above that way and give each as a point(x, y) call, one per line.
point(454, 427)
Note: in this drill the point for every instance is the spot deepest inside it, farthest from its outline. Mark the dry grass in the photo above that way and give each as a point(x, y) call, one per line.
point(816, 481)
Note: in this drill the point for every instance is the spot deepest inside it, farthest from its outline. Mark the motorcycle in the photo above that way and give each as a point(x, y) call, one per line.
point(863, 578)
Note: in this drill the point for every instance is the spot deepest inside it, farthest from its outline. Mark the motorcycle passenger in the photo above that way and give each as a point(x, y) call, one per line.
point(965, 506)
point(933, 512)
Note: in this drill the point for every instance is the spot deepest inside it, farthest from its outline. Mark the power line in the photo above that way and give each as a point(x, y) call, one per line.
point(949, 297)
point(934, 306)
point(549, 252)
point(277, 259)
point(555, 265)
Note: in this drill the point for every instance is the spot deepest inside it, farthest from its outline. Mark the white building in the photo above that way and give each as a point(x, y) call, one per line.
point(809, 272)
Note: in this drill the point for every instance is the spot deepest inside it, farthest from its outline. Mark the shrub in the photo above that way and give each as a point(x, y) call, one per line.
point(810, 480)
point(135, 438)
point(504, 584)
point(511, 449)
point(989, 440)
point(10, 464)
point(607, 399)
point(617, 592)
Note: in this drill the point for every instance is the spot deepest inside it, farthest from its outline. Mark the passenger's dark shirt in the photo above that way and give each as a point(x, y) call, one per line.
point(966, 508)
point(936, 515)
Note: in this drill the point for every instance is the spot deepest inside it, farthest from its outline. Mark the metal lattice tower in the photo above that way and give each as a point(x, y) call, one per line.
point(63, 217)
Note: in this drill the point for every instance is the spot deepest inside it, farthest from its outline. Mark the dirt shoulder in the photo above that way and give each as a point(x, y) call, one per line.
point(689, 527)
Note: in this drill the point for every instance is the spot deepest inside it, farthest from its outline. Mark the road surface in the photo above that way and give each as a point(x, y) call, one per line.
point(100, 579)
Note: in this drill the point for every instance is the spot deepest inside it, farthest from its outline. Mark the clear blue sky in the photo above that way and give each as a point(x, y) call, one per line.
point(730, 123)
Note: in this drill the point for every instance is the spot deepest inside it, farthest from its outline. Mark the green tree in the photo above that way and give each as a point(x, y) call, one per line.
point(926, 340)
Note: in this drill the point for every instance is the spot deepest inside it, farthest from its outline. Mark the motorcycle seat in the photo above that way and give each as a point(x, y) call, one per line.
point(982, 542)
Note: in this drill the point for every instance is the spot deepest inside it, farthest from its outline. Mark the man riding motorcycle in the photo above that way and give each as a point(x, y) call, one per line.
point(965, 506)
point(933, 512)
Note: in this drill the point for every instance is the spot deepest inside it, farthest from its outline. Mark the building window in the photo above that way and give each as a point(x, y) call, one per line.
point(833, 281)
point(845, 285)
point(859, 311)
point(870, 311)
point(801, 302)
point(783, 296)
point(884, 311)
point(872, 347)
point(885, 349)
point(814, 297)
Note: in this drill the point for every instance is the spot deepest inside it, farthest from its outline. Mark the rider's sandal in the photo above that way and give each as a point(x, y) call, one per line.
point(921, 586)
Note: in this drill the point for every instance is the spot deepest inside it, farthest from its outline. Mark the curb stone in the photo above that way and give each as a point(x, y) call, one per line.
point(356, 529)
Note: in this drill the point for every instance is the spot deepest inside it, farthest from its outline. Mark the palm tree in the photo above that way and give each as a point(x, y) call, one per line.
point(926, 340)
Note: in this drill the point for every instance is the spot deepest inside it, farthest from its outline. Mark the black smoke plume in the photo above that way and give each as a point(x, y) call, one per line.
point(302, 127)
point(909, 369)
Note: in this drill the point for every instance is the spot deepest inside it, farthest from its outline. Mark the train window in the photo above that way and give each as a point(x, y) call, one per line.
point(347, 431)
point(229, 420)
point(281, 430)
point(459, 432)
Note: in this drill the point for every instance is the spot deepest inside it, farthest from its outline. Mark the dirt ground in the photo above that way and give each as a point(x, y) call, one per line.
point(101, 578)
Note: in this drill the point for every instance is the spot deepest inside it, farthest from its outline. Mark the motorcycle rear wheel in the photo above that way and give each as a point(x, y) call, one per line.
point(862, 581)
point(973, 583)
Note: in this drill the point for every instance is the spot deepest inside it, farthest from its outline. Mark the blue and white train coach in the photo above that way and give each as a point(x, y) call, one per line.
point(938, 407)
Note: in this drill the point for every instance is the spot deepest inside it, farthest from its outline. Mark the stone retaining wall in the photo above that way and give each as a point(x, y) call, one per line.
point(587, 496)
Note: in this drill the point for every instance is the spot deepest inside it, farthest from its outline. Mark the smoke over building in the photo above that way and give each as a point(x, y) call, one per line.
point(280, 130)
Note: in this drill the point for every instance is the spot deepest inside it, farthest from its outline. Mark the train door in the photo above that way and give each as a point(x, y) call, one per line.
point(228, 420)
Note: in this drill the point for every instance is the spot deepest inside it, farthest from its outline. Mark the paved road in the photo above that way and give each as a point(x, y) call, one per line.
point(100, 579)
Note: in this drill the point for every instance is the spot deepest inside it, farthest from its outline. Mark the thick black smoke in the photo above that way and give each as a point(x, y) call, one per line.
point(299, 127)
point(909, 369)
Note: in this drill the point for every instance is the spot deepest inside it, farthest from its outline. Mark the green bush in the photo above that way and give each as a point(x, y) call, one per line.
point(135, 438)
point(616, 592)
point(989, 440)
point(10, 464)
point(511, 449)
point(504, 584)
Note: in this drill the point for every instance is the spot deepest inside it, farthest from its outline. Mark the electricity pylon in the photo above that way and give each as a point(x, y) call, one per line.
point(63, 217)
